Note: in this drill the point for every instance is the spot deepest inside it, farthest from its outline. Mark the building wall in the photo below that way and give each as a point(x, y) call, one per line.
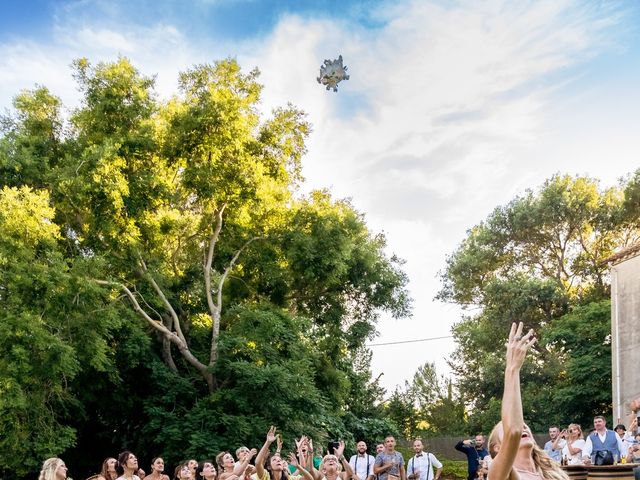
point(625, 335)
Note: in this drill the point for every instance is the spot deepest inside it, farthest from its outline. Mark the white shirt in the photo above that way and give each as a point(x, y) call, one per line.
point(577, 458)
point(588, 446)
point(627, 441)
point(424, 465)
point(359, 465)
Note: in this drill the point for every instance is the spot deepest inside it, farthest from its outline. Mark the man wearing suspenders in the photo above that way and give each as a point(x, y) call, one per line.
point(420, 466)
point(362, 463)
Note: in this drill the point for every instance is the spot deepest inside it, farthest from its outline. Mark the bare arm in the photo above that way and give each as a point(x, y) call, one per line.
point(558, 441)
point(264, 451)
point(305, 473)
point(240, 468)
point(512, 418)
point(312, 469)
point(571, 449)
point(380, 467)
point(348, 471)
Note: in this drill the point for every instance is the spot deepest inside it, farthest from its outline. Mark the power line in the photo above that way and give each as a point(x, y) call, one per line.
point(408, 341)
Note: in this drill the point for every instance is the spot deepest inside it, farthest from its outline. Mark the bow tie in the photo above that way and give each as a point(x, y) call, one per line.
point(418, 454)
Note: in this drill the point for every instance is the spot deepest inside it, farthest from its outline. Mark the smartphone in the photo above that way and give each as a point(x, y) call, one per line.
point(331, 447)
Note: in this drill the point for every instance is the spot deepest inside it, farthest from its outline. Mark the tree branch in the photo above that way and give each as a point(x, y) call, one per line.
point(215, 326)
point(213, 308)
point(169, 335)
point(167, 304)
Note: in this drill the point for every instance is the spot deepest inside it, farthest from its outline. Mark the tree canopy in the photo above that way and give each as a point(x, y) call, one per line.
point(540, 259)
point(163, 276)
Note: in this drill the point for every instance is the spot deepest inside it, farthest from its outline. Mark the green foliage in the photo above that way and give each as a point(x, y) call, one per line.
point(428, 406)
point(539, 260)
point(581, 342)
point(130, 200)
point(46, 333)
point(454, 469)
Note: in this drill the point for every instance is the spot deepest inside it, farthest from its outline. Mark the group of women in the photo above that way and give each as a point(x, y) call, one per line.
point(267, 466)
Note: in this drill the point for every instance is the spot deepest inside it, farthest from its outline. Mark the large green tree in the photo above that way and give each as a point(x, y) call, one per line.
point(192, 281)
point(539, 259)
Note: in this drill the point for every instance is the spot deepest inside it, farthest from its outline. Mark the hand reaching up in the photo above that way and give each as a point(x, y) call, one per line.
point(518, 345)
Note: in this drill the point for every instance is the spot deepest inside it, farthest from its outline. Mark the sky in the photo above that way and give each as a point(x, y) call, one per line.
point(452, 107)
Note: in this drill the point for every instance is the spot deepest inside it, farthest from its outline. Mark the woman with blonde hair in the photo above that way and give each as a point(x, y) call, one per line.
point(572, 450)
point(108, 470)
point(53, 469)
point(511, 444)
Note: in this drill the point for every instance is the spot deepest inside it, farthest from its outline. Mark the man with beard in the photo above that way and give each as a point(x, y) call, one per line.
point(475, 452)
point(362, 463)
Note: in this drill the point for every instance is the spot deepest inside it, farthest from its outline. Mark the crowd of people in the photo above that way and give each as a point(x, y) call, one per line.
point(388, 464)
point(570, 447)
point(512, 452)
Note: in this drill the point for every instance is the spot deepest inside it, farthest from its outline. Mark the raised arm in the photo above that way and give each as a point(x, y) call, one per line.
point(240, 468)
point(463, 446)
point(312, 468)
point(305, 473)
point(348, 471)
point(557, 443)
point(264, 452)
point(512, 418)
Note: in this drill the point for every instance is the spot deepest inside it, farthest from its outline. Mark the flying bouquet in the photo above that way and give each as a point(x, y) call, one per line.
point(332, 73)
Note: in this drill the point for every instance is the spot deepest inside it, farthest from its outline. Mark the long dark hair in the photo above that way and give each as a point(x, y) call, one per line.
point(267, 467)
point(122, 461)
point(201, 467)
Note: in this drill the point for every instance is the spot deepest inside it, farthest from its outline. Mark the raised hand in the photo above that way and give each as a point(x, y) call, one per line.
point(293, 460)
point(278, 443)
point(518, 345)
point(252, 453)
point(339, 450)
point(271, 434)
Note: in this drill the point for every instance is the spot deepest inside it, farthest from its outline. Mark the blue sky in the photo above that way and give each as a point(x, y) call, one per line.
point(453, 107)
point(216, 19)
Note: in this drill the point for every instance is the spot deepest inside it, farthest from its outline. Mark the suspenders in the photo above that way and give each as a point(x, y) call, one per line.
point(355, 465)
point(413, 464)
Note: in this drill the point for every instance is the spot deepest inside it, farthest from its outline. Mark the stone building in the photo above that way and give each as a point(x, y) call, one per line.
point(625, 329)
